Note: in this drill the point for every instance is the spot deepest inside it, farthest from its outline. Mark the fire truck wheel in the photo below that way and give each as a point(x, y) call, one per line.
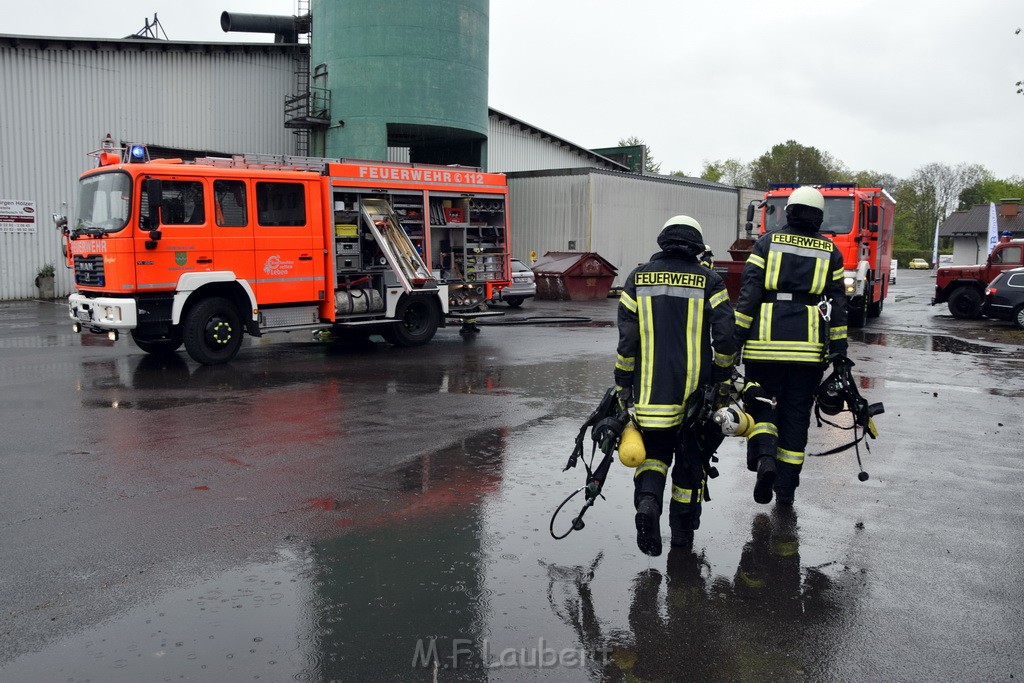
point(417, 322)
point(213, 331)
point(858, 313)
point(965, 303)
point(157, 347)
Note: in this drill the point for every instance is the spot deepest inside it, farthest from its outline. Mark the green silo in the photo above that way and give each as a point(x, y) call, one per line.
point(404, 73)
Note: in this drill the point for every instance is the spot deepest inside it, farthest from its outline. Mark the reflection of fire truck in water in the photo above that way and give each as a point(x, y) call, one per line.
point(859, 220)
point(200, 252)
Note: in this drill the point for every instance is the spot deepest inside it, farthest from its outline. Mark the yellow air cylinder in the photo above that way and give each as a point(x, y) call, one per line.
point(631, 446)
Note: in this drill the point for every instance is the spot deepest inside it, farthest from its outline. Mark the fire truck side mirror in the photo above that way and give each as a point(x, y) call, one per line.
point(60, 222)
point(750, 214)
point(873, 218)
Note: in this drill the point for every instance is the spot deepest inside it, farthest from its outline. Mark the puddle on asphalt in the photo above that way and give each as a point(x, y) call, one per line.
point(926, 342)
point(444, 567)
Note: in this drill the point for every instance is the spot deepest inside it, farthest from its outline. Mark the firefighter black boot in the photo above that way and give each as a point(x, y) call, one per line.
point(765, 479)
point(682, 538)
point(648, 528)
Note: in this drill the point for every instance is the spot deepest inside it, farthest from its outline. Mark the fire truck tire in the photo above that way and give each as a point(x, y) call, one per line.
point(213, 331)
point(858, 313)
point(418, 319)
point(157, 347)
point(965, 303)
point(875, 309)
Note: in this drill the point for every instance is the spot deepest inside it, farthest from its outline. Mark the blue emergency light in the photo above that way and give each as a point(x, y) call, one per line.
point(137, 154)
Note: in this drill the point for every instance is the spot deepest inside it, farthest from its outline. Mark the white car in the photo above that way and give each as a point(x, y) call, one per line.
point(523, 287)
point(893, 265)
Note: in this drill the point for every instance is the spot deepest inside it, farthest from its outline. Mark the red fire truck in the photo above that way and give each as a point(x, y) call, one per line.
point(199, 253)
point(859, 220)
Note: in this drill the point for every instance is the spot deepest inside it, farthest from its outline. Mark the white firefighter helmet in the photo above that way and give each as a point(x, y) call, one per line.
point(807, 196)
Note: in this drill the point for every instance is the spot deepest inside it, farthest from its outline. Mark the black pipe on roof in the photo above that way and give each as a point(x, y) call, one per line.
point(285, 29)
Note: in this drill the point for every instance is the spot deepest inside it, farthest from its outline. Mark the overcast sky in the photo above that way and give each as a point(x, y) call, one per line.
point(882, 85)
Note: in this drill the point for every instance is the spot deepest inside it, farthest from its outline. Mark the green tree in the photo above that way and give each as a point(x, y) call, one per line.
point(731, 172)
point(791, 162)
point(991, 189)
point(650, 166)
point(928, 196)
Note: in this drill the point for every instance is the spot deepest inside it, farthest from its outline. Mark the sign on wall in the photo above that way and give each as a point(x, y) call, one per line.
point(17, 215)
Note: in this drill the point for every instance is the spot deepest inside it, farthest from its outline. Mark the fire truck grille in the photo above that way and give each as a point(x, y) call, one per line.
point(89, 271)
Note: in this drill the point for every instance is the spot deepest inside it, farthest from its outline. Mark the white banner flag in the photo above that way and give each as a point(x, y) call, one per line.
point(993, 227)
point(935, 246)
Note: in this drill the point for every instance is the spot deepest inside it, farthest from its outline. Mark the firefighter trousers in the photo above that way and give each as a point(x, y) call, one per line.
point(782, 432)
point(688, 479)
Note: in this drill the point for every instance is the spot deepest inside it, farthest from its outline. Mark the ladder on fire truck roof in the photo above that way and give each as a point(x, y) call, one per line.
point(287, 162)
point(277, 162)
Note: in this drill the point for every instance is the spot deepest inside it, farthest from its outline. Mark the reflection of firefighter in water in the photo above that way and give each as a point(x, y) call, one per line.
point(764, 624)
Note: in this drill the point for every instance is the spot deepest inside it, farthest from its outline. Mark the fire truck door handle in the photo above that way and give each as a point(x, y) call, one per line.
point(305, 257)
point(204, 260)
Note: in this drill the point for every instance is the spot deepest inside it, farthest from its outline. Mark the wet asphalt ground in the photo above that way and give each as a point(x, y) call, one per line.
point(310, 512)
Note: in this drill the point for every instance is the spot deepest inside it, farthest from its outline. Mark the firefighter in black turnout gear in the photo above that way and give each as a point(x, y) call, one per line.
point(675, 334)
point(790, 320)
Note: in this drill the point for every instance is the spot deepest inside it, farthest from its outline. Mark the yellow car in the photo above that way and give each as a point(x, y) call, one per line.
point(918, 264)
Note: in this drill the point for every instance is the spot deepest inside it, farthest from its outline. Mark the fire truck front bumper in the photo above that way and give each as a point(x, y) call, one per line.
point(101, 314)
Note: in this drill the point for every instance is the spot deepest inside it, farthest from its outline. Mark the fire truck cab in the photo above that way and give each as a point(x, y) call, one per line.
point(197, 253)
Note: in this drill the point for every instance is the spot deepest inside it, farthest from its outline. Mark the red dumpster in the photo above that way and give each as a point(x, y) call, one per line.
point(573, 275)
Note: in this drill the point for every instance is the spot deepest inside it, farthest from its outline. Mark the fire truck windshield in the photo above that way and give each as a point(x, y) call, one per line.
point(838, 214)
point(104, 203)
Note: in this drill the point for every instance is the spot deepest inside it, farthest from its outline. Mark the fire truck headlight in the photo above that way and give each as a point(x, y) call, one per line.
point(848, 282)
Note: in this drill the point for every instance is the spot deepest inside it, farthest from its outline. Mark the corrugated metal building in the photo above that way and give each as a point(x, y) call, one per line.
point(616, 214)
point(63, 94)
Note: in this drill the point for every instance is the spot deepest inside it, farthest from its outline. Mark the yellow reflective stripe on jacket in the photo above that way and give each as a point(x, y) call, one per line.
point(646, 313)
point(773, 270)
point(820, 276)
point(652, 466)
point(756, 260)
point(813, 324)
point(694, 324)
point(723, 360)
point(742, 320)
point(765, 331)
point(838, 274)
point(763, 428)
point(655, 416)
point(627, 302)
point(792, 457)
point(718, 299)
point(798, 352)
point(623, 363)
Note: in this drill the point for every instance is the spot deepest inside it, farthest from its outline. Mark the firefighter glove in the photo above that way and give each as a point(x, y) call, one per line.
point(722, 374)
point(625, 396)
point(754, 396)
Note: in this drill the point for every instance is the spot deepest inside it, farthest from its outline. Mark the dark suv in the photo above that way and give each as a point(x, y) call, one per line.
point(1004, 298)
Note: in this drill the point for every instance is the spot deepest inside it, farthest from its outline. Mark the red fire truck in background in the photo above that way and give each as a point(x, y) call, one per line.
point(859, 220)
point(199, 253)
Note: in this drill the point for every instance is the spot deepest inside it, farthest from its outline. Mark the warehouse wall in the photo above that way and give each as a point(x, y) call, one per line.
point(617, 215)
point(62, 96)
point(512, 147)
